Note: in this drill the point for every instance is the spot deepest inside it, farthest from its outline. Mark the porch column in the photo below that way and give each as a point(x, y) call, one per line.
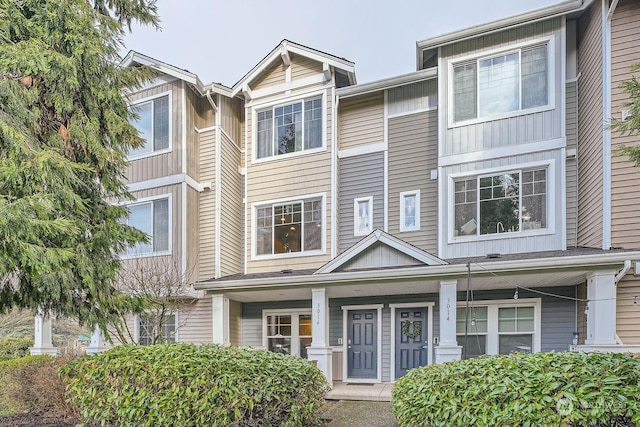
point(42, 337)
point(98, 343)
point(319, 351)
point(448, 348)
point(220, 317)
point(601, 309)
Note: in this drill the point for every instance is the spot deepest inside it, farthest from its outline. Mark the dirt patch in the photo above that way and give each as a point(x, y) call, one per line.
point(43, 418)
point(348, 413)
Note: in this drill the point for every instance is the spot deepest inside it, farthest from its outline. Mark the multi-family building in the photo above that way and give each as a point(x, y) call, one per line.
point(474, 206)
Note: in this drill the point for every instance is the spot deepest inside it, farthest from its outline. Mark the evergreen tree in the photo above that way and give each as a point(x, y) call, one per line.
point(631, 125)
point(64, 137)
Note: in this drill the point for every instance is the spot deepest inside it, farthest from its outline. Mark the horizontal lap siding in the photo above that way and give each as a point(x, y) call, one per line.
point(231, 209)
point(207, 206)
point(359, 176)
point(511, 131)
point(302, 67)
point(361, 121)
point(590, 129)
point(413, 153)
point(252, 318)
point(235, 323)
point(572, 164)
point(628, 310)
point(168, 163)
point(195, 322)
point(274, 75)
point(625, 50)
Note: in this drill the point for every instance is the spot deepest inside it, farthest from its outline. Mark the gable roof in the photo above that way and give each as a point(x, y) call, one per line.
point(380, 237)
point(282, 50)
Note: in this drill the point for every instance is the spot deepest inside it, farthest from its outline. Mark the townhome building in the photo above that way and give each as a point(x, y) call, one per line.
point(475, 206)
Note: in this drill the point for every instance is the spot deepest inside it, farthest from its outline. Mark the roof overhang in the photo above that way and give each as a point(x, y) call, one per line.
point(362, 89)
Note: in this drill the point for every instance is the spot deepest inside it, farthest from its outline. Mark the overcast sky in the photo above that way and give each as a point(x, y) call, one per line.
point(220, 41)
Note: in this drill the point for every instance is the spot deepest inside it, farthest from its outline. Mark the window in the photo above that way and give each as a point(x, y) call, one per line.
point(289, 128)
point(152, 125)
point(288, 333)
point(498, 203)
point(500, 328)
point(151, 217)
point(152, 331)
point(362, 216)
point(410, 210)
point(512, 81)
point(289, 227)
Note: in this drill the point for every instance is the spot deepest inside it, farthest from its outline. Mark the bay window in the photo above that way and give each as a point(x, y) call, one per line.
point(289, 128)
point(504, 83)
point(153, 125)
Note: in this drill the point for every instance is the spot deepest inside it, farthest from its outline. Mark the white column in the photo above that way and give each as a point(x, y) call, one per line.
point(98, 343)
point(42, 343)
point(220, 316)
point(601, 311)
point(319, 351)
point(448, 348)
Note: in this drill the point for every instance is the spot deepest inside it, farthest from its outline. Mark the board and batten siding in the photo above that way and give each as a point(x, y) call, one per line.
point(359, 176)
point(361, 120)
point(590, 128)
point(231, 209)
point(207, 207)
point(625, 51)
point(193, 153)
point(571, 164)
point(232, 118)
point(520, 129)
point(413, 153)
point(506, 243)
point(165, 164)
point(195, 322)
point(252, 318)
point(193, 234)
point(628, 310)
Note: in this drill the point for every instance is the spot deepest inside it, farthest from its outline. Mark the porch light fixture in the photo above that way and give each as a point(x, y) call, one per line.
point(515, 296)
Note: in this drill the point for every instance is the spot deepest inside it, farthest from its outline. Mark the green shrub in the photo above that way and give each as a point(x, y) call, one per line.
point(30, 383)
point(188, 385)
point(542, 389)
point(13, 348)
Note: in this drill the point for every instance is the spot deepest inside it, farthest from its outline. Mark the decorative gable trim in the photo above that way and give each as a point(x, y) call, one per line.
point(386, 239)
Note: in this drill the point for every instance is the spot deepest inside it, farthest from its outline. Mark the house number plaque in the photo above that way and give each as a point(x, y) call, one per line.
point(318, 316)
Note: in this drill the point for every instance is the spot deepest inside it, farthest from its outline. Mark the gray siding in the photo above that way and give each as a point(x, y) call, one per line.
point(195, 322)
point(235, 322)
point(413, 98)
point(359, 176)
point(379, 256)
point(522, 129)
point(413, 153)
point(252, 318)
point(572, 164)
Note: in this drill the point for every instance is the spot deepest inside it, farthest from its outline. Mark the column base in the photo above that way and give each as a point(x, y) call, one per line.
point(37, 351)
point(323, 356)
point(448, 353)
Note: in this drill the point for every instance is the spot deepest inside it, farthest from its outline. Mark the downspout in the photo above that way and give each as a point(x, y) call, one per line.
point(334, 173)
point(625, 269)
point(606, 131)
point(218, 187)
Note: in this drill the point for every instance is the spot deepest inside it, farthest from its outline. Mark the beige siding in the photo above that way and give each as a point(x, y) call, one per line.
point(193, 155)
point(590, 129)
point(628, 310)
point(231, 209)
point(581, 294)
point(413, 153)
point(625, 50)
point(193, 233)
point(205, 117)
point(572, 164)
point(273, 75)
point(302, 67)
point(231, 119)
point(207, 205)
point(235, 323)
point(195, 322)
point(162, 164)
point(361, 121)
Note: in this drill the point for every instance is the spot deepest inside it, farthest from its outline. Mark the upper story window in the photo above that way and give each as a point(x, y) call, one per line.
point(289, 128)
point(492, 86)
point(153, 125)
point(291, 227)
point(362, 216)
point(151, 217)
point(410, 210)
point(503, 202)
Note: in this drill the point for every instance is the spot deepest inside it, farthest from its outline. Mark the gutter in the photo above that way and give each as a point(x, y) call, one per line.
point(376, 86)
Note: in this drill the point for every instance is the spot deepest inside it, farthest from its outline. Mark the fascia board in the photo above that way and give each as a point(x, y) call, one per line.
point(361, 89)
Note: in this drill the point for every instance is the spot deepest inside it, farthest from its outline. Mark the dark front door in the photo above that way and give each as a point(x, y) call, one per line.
point(411, 339)
point(362, 344)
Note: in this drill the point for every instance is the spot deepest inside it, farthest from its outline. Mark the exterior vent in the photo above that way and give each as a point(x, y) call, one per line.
point(286, 271)
point(491, 256)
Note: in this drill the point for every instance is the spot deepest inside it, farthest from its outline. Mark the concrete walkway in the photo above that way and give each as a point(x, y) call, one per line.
point(379, 392)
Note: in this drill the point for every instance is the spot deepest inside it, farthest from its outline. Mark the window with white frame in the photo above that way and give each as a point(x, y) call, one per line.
point(153, 126)
point(289, 128)
point(500, 328)
point(362, 216)
point(510, 81)
point(289, 227)
point(288, 333)
point(410, 210)
point(153, 331)
point(502, 202)
point(152, 218)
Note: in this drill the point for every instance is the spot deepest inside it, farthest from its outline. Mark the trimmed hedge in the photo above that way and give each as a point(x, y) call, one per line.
point(13, 348)
point(542, 389)
point(189, 385)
